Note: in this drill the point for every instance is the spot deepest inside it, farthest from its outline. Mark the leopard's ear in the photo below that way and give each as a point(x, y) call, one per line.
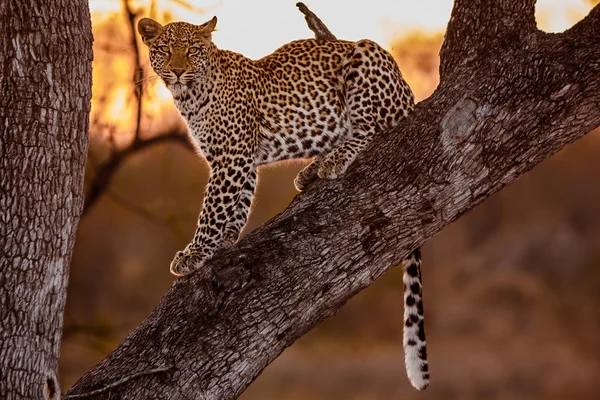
point(149, 29)
point(205, 30)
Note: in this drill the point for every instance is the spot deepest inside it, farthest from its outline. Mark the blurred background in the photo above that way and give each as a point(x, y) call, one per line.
point(512, 290)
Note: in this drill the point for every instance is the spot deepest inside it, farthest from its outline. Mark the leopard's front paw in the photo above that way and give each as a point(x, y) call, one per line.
point(229, 239)
point(331, 168)
point(186, 262)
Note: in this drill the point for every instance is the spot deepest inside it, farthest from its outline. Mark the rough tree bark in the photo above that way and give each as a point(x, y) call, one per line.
point(509, 97)
point(45, 91)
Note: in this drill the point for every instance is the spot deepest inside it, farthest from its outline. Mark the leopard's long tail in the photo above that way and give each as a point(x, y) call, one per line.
point(415, 350)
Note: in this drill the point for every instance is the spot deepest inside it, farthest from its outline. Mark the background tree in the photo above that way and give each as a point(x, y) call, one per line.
point(45, 90)
point(510, 96)
point(103, 169)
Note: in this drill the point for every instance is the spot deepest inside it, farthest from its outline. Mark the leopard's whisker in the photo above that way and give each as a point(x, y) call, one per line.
point(148, 79)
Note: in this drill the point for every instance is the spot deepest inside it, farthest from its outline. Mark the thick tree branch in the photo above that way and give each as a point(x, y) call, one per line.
point(492, 119)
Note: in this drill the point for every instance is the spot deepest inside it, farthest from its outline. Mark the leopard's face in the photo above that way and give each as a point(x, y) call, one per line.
point(179, 51)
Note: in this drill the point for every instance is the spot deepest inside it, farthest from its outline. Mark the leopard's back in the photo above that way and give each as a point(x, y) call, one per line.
point(311, 94)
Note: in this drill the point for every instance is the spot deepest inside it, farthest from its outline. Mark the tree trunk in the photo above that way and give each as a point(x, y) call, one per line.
point(509, 97)
point(45, 91)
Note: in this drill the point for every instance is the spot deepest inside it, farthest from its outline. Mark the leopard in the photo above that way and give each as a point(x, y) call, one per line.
point(325, 101)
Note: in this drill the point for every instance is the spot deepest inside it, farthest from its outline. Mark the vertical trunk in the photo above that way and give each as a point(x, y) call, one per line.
point(45, 90)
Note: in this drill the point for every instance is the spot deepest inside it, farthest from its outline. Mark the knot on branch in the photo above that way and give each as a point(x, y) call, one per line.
point(564, 91)
point(373, 225)
point(51, 388)
point(458, 123)
point(465, 165)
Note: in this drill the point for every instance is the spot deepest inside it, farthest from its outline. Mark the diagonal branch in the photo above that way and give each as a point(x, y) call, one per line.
point(491, 121)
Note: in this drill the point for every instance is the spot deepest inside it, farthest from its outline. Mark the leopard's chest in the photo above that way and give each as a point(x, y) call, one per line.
point(203, 123)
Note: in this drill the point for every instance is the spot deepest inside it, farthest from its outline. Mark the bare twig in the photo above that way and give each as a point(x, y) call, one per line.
point(144, 213)
point(315, 24)
point(106, 171)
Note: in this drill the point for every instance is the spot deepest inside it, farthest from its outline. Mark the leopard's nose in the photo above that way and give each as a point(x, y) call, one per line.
point(178, 71)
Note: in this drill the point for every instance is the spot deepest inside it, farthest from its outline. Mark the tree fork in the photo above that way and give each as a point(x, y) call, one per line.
point(510, 96)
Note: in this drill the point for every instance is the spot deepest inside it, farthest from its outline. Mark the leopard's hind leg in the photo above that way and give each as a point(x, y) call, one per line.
point(339, 159)
point(376, 98)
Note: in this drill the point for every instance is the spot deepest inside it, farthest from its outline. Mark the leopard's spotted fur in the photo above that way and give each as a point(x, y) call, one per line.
point(309, 99)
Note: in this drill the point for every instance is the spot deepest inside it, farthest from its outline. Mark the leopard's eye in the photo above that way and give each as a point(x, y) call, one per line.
point(193, 50)
point(164, 49)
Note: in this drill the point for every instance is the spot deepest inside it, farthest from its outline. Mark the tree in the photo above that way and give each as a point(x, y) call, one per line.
point(45, 91)
point(509, 97)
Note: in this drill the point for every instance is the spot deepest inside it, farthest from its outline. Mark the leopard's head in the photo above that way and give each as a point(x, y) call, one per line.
point(179, 51)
